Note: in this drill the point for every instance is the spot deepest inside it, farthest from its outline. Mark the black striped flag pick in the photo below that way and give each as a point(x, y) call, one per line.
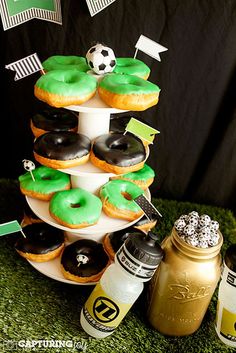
point(16, 12)
point(26, 66)
point(96, 6)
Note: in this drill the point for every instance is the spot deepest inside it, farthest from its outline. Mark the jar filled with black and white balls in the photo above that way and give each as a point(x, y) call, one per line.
point(182, 288)
point(198, 230)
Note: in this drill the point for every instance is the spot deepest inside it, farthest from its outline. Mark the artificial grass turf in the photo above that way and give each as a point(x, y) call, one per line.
point(35, 307)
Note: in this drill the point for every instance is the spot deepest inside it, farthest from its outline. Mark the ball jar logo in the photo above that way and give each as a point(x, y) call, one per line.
point(186, 291)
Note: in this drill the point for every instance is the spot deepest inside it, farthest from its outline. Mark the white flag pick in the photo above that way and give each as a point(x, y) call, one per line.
point(149, 47)
point(25, 66)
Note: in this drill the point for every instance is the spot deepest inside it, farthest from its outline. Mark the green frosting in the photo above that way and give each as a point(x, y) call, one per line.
point(112, 191)
point(131, 66)
point(76, 206)
point(127, 84)
point(62, 62)
point(144, 173)
point(67, 83)
point(47, 180)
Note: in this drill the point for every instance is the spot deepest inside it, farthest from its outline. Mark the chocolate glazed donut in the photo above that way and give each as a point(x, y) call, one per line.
point(84, 260)
point(42, 243)
point(53, 120)
point(119, 153)
point(62, 149)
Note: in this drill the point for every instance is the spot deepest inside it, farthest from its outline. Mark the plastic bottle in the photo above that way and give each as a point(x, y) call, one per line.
point(121, 284)
point(226, 306)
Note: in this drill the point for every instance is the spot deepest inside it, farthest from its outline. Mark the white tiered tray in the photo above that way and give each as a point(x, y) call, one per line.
point(105, 224)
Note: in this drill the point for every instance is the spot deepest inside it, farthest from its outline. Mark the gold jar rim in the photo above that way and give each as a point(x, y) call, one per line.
point(194, 251)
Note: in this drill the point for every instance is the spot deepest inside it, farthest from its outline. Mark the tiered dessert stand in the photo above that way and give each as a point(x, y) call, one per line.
point(94, 120)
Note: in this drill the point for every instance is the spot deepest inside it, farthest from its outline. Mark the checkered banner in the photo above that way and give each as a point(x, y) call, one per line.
point(16, 12)
point(96, 6)
point(26, 66)
point(147, 207)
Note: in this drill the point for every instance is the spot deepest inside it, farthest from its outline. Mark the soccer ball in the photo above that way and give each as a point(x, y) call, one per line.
point(101, 59)
point(28, 165)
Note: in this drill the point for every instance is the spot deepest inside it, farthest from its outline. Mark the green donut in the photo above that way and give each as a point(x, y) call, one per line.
point(47, 182)
point(132, 66)
point(65, 62)
point(142, 177)
point(75, 208)
point(118, 199)
point(128, 92)
point(60, 88)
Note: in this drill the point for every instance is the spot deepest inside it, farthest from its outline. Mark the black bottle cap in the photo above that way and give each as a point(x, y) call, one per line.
point(230, 257)
point(144, 247)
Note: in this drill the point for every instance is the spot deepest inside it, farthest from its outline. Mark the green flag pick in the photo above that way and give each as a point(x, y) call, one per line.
point(10, 227)
point(141, 130)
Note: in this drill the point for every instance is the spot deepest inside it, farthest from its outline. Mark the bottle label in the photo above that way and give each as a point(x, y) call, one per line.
point(133, 265)
point(102, 312)
point(231, 279)
point(228, 325)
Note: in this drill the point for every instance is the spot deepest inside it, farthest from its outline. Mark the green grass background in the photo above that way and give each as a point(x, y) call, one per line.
point(33, 306)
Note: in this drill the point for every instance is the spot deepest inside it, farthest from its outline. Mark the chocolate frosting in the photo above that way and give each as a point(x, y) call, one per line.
point(118, 149)
point(55, 120)
point(41, 238)
point(118, 122)
point(63, 145)
point(97, 258)
point(118, 238)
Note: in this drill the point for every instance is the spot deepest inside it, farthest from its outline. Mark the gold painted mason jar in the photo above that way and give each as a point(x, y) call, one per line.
point(183, 285)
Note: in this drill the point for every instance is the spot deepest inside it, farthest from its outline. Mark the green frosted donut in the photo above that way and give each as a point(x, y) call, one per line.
point(118, 199)
point(60, 88)
point(142, 177)
point(132, 66)
point(75, 208)
point(65, 62)
point(128, 92)
point(47, 182)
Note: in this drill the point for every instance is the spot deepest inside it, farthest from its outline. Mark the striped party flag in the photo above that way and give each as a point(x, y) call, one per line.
point(9, 227)
point(26, 66)
point(96, 6)
point(143, 131)
point(15, 12)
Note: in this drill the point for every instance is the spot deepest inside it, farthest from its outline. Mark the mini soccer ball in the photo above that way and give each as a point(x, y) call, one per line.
point(101, 59)
point(28, 165)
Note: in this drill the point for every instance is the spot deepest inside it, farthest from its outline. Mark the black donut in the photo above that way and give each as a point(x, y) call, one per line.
point(119, 122)
point(61, 146)
point(54, 120)
point(119, 150)
point(84, 260)
point(41, 239)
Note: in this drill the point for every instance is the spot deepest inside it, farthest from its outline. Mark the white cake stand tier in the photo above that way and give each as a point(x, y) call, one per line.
point(96, 232)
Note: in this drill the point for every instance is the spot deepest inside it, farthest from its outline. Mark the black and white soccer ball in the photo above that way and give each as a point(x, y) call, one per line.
point(101, 59)
point(28, 165)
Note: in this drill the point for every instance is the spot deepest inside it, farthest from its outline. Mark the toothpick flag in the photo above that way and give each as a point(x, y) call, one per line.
point(10, 227)
point(149, 47)
point(96, 6)
point(141, 130)
point(26, 66)
point(147, 207)
point(16, 12)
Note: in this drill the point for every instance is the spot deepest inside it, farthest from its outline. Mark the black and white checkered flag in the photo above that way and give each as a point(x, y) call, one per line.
point(147, 207)
point(26, 66)
point(96, 6)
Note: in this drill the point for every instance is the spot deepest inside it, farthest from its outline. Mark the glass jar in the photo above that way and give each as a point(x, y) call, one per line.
point(183, 285)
